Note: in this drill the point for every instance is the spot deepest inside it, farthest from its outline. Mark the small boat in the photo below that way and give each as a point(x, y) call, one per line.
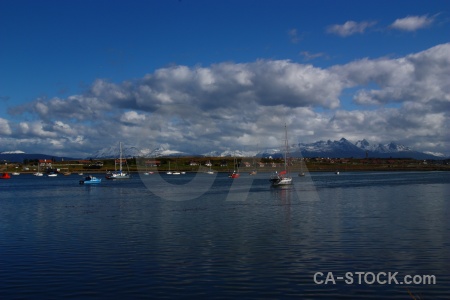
point(67, 173)
point(210, 171)
point(5, 176)
point(118, 174)
point(38, 173)
point(235, 173)
point(337, 172)
point(15, 173)
point(282, 177)
point(169, 172)
point(90, 180)
point(253, 172)
point(52, 175)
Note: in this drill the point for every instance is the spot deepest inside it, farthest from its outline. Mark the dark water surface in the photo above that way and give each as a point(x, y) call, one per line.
point(146, 238)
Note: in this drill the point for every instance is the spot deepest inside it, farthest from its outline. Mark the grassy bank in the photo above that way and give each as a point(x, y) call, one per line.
point(221, 164)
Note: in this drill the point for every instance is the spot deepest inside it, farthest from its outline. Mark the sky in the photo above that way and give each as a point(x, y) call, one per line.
point(197, 76)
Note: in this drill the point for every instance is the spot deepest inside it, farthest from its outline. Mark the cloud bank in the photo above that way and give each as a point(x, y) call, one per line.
point(412, 23)
point(245, 106)
point(350, 28)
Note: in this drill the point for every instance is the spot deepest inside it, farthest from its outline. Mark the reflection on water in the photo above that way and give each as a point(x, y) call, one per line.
point(239, 238)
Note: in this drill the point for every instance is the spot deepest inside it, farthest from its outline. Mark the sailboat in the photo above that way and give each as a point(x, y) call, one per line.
point(169, 172)
point(176, 172)
point(5, 176)
point(210, 171)
point(38, 173)
point(119, 174)
point(301, 169)
point(235, 173)
point(253, 172)
point(282, 178)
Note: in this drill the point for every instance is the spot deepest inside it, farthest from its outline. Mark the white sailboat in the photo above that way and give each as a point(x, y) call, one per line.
point(119, 174)
point(38, 173)
point(210, 171)
point(169, 172)
point(282, 178)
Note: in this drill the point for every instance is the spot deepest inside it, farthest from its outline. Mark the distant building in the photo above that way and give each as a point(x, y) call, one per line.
point(153, 163)
point(45, 163)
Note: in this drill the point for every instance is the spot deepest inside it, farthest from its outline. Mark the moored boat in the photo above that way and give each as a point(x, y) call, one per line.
point(235, 173)
point(282, 178)
point(5, 176)
point(91, 180)
point(119, 174)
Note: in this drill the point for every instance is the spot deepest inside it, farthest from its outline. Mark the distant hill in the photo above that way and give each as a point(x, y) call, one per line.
point(19, 157)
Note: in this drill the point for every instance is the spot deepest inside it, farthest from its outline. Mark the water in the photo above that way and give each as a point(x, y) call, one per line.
point(237, 238)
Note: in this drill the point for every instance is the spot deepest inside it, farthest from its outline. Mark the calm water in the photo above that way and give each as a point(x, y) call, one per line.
point(212, 237)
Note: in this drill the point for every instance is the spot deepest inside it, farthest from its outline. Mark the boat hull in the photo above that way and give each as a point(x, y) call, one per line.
point(5, 176)
point(118, 176)
point(92, 180)
point(281, 181)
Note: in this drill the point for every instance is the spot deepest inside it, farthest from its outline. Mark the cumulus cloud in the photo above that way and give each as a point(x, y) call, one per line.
point(350, 28)
point(293, 35)
point(132, 117)
point(245, 106)
point(5, 129)
point(412, 23)
point(421, 77)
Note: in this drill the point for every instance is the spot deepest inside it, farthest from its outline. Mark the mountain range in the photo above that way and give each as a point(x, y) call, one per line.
point(342, 148)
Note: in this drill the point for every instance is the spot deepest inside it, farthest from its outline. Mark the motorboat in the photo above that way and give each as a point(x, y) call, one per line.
point(91, 180)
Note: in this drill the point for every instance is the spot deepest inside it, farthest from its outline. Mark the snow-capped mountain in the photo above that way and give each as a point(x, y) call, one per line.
point(342, 148)
point(162, 151)
point(230, 153)
point(13, 152)
point(114, 152)
point(133, 151)
point(361, 149)
point(381, 148)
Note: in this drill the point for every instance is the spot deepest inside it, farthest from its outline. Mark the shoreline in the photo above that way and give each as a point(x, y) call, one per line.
point(318, 170)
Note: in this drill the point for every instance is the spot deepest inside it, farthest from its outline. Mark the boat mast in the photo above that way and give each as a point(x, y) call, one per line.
point(120, 159)
point(285, 147)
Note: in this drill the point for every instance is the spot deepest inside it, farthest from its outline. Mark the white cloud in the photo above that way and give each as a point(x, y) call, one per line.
point(132, 117)
point(4, 127)
point(350, 28)
point(245, 106)
point(420, 77)
point(293, 35)
point(412, 23)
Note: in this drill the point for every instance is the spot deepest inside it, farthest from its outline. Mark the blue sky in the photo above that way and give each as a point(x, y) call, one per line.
point(80, 75)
